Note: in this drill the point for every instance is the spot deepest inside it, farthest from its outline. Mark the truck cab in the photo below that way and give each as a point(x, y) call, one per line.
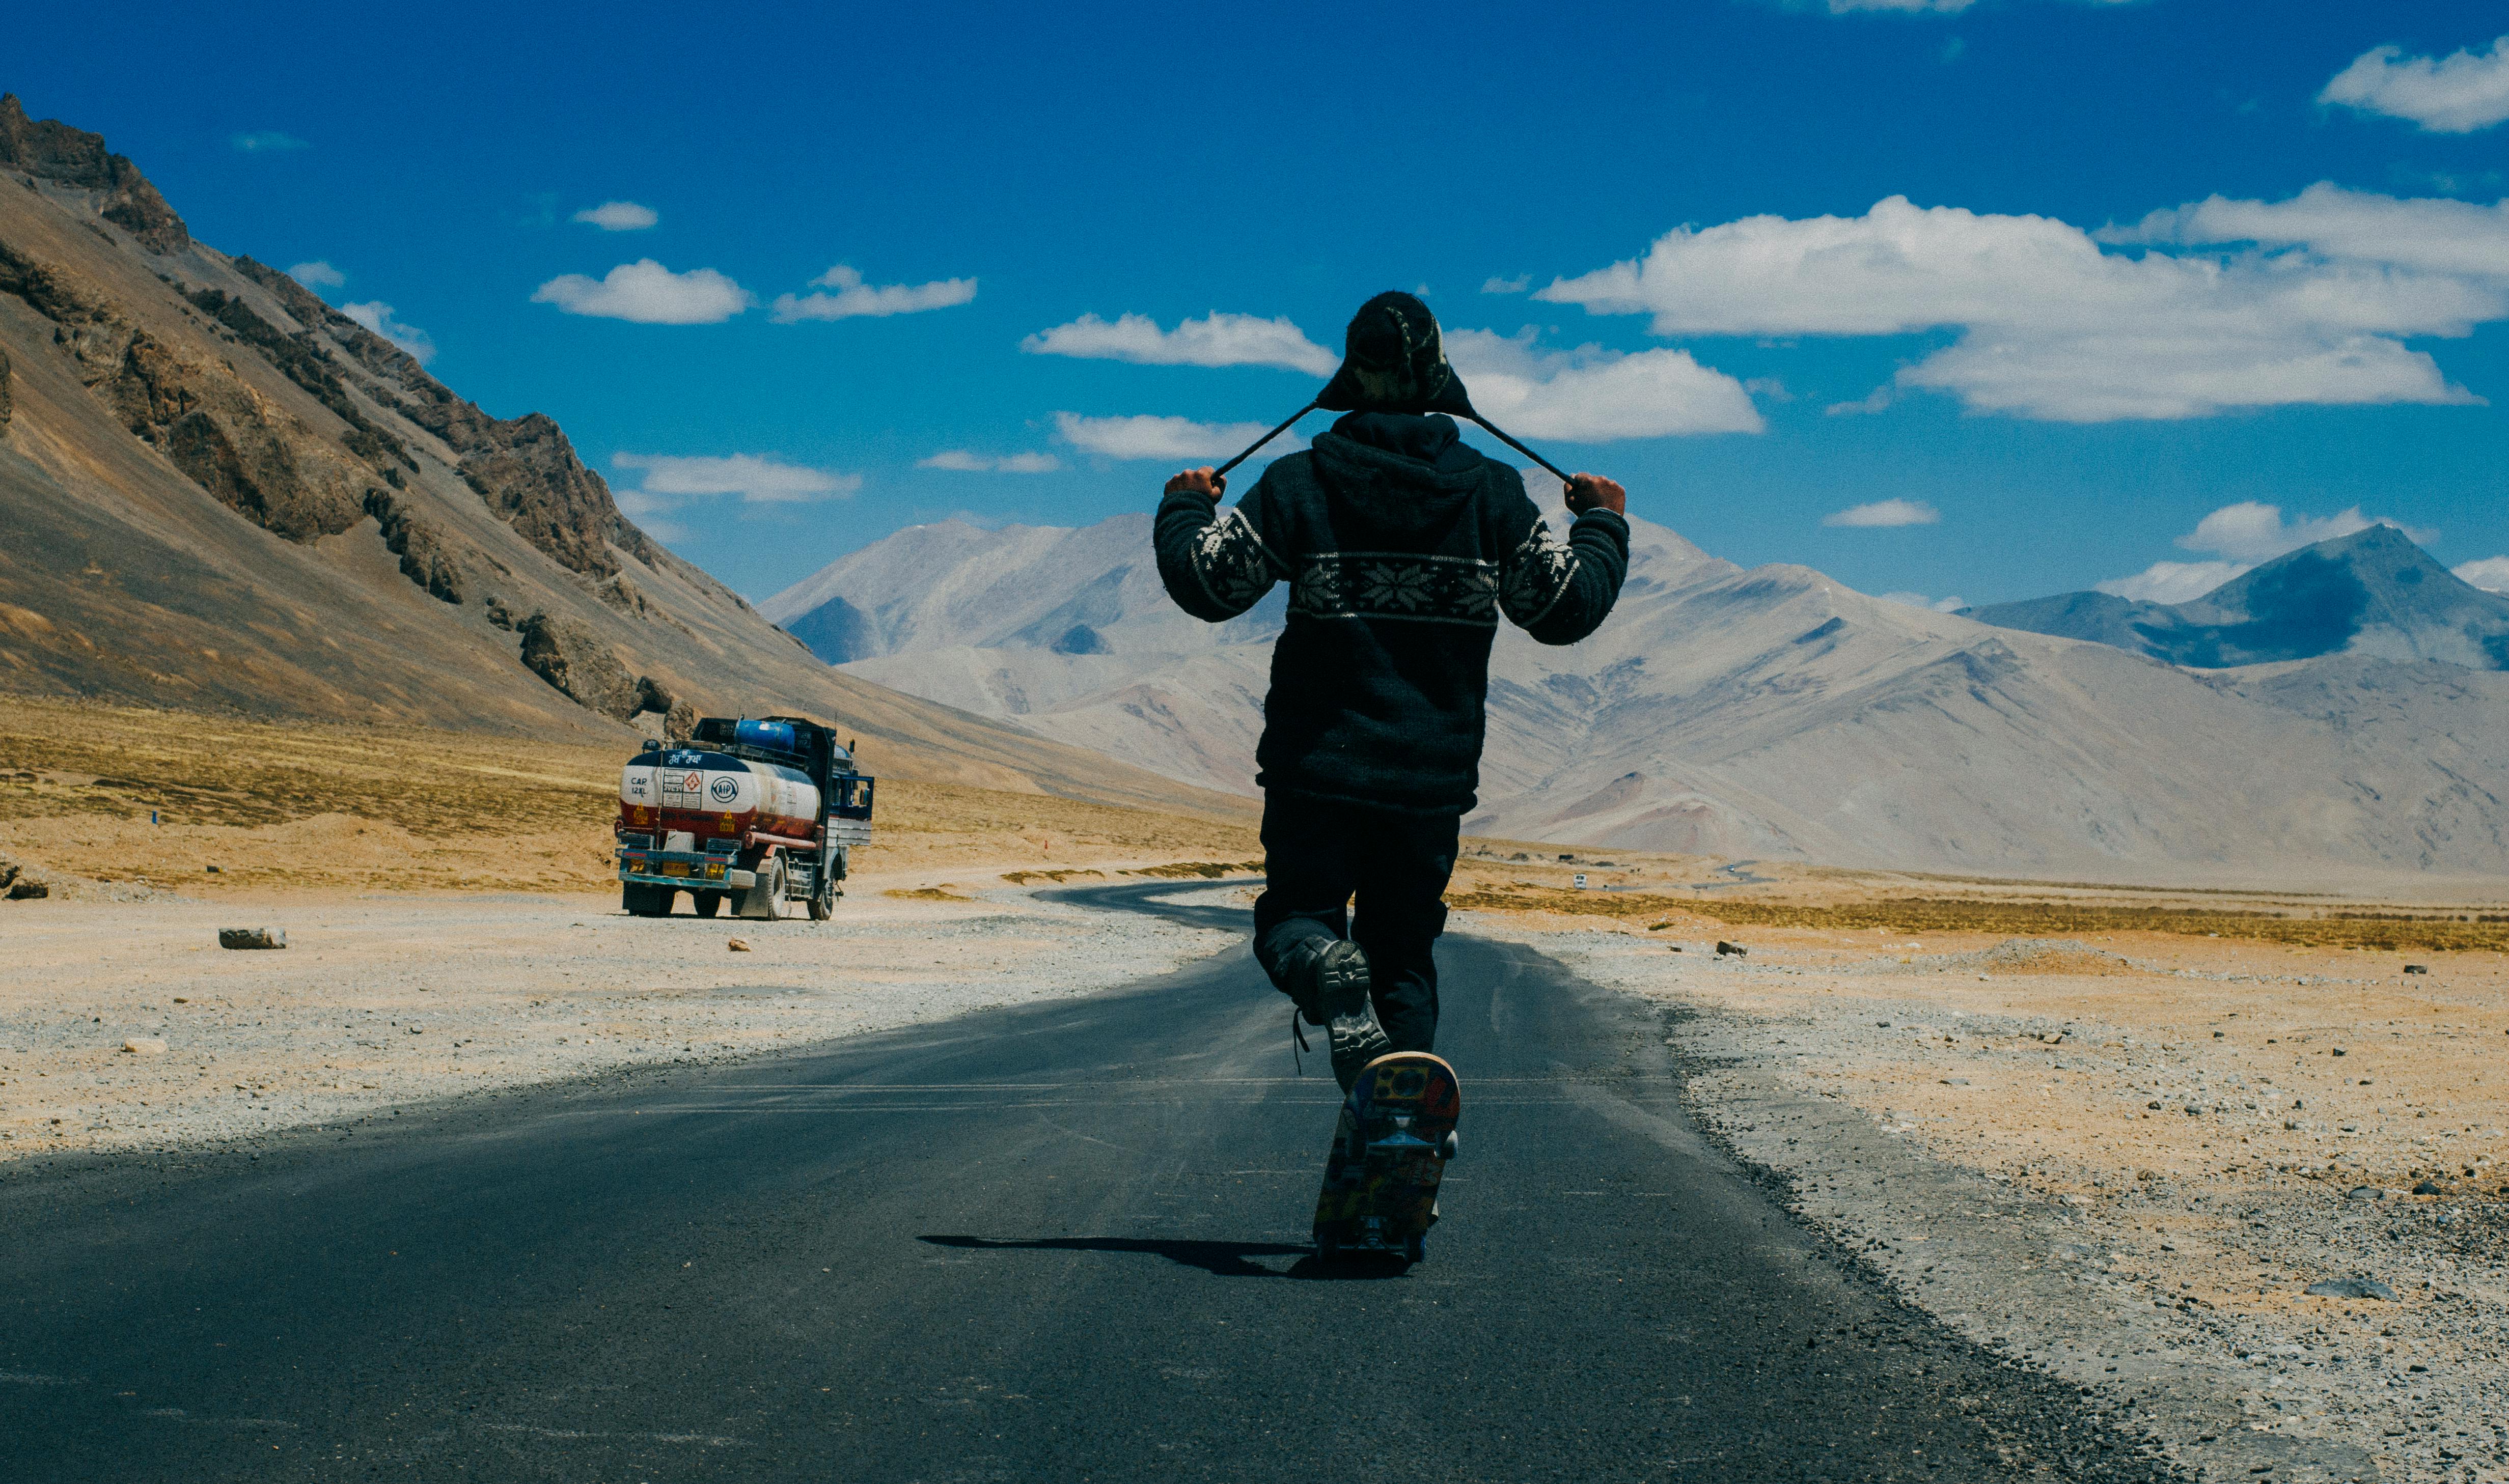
point(752, 811)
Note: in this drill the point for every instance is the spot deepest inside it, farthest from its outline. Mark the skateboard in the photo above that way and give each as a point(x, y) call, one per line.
point(1389, 1151)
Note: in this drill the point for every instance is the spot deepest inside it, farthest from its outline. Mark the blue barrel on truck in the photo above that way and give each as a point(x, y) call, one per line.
point(774, 736)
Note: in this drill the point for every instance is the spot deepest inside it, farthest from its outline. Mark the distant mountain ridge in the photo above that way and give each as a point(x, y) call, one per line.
point(1768, 712)
point(219, 494)
point(2373, 592)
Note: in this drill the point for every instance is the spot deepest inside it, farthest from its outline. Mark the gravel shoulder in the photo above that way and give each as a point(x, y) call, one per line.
point(2129, 1162)
point(125, 1027)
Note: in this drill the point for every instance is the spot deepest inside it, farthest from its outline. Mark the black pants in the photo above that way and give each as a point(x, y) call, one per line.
point(1319, 855)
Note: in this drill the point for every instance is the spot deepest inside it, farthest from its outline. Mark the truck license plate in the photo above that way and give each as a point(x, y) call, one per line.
point(675, 867)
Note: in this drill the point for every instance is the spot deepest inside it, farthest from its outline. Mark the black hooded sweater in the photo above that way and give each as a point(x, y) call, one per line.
point(1401, 546)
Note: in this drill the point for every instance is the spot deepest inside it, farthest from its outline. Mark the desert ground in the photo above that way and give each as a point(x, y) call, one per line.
point(2121, 1130)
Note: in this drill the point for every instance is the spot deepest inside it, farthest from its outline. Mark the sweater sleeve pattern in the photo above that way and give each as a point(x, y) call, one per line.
point(1213, 563)
point(1561, 591)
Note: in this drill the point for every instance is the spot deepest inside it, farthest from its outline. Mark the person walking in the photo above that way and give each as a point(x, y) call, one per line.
point(1403, 547)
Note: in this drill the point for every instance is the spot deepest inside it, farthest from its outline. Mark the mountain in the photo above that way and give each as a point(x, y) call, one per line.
point(1762, 713)
point(2373, 592)
point(219, 493)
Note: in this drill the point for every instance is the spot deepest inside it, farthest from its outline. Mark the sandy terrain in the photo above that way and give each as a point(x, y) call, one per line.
point(124, 1025)
point(2129, 1159)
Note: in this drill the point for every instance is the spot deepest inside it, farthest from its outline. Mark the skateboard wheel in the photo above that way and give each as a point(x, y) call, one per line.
point(1449, 1147)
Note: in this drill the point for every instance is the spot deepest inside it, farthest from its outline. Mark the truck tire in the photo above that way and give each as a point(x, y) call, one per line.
point(823, 903)
point(640, 901)
point(765, 902)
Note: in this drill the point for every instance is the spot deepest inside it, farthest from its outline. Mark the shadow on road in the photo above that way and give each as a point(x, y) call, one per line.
point(1221, 1259)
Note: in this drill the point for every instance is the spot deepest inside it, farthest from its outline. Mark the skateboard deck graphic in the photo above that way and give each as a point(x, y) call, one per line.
point(1390, 1150)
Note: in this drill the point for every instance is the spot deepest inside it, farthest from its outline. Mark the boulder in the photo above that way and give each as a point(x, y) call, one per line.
point(252, 938)
point(573, 659)
point(23, 890)
point(2353, 1288)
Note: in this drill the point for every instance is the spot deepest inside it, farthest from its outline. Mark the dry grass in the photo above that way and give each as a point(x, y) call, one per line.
point(363, 808)
point(2301, 927)
point(1208, 870)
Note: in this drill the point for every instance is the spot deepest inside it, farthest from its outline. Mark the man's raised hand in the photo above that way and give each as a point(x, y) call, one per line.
point(1204, 482)
point(1587, 492)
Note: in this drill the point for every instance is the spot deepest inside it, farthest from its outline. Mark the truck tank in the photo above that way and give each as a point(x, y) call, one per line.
point(706, 794)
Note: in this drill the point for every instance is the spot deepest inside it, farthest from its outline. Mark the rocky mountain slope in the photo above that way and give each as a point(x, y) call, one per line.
point(2371, 593)
point(1768, 712)
point(219, 493)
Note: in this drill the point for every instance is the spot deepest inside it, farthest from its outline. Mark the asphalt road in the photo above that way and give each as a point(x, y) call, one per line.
point(1063, 1242)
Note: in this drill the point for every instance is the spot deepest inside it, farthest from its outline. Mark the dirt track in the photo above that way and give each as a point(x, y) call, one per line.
point(387, 1000)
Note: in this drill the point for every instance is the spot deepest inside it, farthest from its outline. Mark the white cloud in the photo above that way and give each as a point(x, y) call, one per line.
point(2490, 574)
point(757, 479)
point(377, 315)
point(2456, 94)
point(648, 293)
point(268, 141)
point(2052, 326)
point(2429, 235)
point(2239, 537)
point(1594, 395)
point(2173, 582)
point(853, 298)
point(1951, 604)
point(1216, 339)
point(1171, 439)
point(2253, 531)
point(318, 274)
point(1515, 285)
point(964, 461)
point(618, 216)
point(1885, 514)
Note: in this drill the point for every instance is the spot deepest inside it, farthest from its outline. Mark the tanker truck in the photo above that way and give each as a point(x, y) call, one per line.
point(756, 812)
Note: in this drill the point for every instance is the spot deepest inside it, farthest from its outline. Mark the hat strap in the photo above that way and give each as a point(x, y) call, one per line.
point(1267, 438)
point(1500, 433)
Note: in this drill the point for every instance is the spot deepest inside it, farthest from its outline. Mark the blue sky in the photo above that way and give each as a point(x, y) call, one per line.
point(2026, 370)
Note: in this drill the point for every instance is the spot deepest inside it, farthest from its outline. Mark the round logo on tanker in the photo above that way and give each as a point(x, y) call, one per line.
point(723, 787)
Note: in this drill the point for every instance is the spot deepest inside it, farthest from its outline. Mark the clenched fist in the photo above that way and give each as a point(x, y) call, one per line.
point(1203, 481)
point(1587, 492)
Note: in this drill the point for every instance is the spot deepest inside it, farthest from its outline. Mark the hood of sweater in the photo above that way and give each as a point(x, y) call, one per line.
point(1398, 472)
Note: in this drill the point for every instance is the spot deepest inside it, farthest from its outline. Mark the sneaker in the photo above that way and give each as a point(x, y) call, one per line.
point(1337, 982)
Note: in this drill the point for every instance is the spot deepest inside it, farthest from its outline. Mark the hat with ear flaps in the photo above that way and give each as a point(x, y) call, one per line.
point(1394, 361)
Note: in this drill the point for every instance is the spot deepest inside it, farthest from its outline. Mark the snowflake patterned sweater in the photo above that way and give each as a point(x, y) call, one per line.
point(1401, 546)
